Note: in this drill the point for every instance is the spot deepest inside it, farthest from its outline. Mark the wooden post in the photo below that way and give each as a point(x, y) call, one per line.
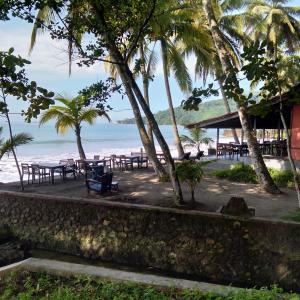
point(263, 135)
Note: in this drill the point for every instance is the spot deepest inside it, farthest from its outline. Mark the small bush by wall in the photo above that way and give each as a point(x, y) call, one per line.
point(210, 246)
point(241, 172)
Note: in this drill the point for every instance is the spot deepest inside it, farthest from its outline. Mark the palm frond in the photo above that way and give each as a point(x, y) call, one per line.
point(50, 114)
point(44, 15)
point(179, 68)
point(17, 140)
point(63, 123)
point(88, 115)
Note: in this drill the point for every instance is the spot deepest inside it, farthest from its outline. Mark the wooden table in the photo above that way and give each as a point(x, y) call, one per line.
point(52, 167)
point(131, 158)
point(95, 161)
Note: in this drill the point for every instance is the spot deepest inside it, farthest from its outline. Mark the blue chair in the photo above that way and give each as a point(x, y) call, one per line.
point(97, 171)
point(101, 185)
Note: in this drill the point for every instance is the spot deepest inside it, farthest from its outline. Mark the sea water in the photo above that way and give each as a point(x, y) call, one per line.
point(99, 139)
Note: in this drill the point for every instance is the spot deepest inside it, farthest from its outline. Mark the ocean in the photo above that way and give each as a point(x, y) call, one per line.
point(101, 139)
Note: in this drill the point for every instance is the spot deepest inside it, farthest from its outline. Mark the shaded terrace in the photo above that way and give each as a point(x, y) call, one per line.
point(142, 187)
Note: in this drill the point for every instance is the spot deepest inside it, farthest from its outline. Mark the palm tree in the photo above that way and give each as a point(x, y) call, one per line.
point(226, 61)
point(232, 33)
point(275, 22)
point(17, 140)
point(8, 146)
point(196, 139)
point(172, 59)
point(170, 29)
point(108, 33)
point(71, 115)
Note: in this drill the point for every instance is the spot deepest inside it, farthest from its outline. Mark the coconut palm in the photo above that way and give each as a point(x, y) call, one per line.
point(71, 115)
point(196, 139)
point(226, 62)
point(9, 146)
point(167, 29)
point(231, 28)
point(19, 139)
point(274, 21)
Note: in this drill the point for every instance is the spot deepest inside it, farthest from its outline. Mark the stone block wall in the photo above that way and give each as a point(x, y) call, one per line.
point(207, 245)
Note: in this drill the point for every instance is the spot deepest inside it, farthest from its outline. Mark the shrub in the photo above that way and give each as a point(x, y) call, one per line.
point(239, 173)
point(283, 178)
point(190, 172)
point(245, 173)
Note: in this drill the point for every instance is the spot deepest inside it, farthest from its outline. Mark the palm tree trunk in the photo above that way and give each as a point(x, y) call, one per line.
point(12, 148)
point(148, 145)
point(228, 110)
point(79, 143)
point(170, 101)
point(260, 168)
point(164, 146)
point(146, 88)
point(132, 87)
point(288, 138)
point(14, 152)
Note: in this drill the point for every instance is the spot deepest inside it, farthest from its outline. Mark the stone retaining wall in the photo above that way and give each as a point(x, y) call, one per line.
point(211, 246)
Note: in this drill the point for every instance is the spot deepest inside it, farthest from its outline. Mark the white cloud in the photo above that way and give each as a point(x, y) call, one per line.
point(49, 57)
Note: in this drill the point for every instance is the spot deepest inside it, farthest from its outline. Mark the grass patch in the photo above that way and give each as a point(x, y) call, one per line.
point(27, 285)
point(283, 178)
point(241, 172)
point(293, 216)
point(238, 173)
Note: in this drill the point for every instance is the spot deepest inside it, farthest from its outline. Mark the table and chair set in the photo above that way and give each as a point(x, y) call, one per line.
point(98, 171)
point(232, 150)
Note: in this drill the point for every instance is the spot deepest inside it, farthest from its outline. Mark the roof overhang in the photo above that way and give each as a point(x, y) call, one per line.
point(270, 120)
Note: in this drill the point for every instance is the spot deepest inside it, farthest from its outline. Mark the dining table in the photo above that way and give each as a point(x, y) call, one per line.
point(133, 158)
point(95, 162)
point(52, 167)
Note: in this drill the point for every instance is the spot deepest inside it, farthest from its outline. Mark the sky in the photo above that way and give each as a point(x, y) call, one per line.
point(49, 68)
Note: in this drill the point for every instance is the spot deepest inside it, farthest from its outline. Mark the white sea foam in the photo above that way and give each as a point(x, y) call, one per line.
point(8, 169)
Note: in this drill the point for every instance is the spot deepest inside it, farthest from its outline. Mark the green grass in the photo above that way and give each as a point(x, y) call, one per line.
point(293, 216)
point(245, 173)
point(238, 173)
point(283, 178)
point(25, 285)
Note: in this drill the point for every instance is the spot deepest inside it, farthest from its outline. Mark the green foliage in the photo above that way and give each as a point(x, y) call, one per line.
point(191, 172)
point(14, 82)
point(71, 113)
point(198, 95)
point(196, 138)
point(25, 285)
point(293, 216)
point(239, 173)
point(17, 140)
point(283, 178)
point(244, 173)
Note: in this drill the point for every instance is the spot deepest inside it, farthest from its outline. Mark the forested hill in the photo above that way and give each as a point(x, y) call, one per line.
point(206, 110)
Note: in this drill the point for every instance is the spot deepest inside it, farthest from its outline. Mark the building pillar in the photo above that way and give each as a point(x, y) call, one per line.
point(217, 142)
point(242, 136)
point(278, 130)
